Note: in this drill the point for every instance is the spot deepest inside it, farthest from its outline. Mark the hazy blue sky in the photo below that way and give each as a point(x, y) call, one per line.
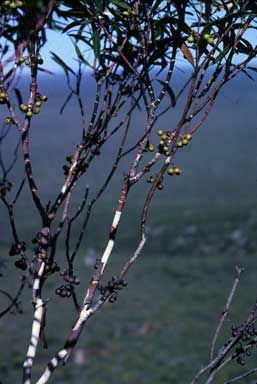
point(61, 44)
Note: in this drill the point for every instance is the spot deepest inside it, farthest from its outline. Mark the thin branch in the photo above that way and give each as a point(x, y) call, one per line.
point(225, 311)
point(14, 300)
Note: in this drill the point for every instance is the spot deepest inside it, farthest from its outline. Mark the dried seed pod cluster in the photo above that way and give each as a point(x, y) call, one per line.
point(17, 248)
point(5, 187)
point(109, 291)
point(80, 167)
point(21, 264)
point(65, 290)
point(70, 278)
point(248, 334)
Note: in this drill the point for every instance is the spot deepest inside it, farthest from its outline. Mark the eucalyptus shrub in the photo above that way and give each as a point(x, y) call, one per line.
point(135, 47)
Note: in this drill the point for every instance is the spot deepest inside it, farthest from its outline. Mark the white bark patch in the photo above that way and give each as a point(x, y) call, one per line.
point(54, 363)
point(36, 283)
point(38, 315)
point(107, 252)
point(64, 189)
point(84, 315)
point(116, 219)
point(73, 166)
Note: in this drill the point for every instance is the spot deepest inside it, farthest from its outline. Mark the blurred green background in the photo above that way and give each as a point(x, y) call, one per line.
point(200, 227)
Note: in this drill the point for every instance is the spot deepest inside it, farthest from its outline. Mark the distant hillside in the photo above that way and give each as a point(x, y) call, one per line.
point(219, 165)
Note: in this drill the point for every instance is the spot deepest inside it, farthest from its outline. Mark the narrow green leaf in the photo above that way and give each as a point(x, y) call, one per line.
point(80, 56)
point(96, 43)
point(222, 54)
point(62, 64)
point(121, 4)
point(71, 25)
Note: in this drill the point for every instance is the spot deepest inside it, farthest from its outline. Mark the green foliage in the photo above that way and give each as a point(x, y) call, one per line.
point(110, 28)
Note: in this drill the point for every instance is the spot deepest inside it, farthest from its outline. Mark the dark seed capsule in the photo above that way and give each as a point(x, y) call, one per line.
point(14, 250)
point(57, 291)
point(56, 268)
point(21, 264)
point(103, 291)
point(112, 298)
point(240, 360)
point(245, 337)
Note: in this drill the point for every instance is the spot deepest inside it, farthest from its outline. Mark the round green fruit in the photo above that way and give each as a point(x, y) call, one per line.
point(177, 171)
point(8, 120)
point(180, 144)
point(36, 111)
point(184, 141)
point(13, 5)
point(160, 132)
point(210, 40)
point(44, 98)
point(190, 39)
point(188, 136)
point(151, 148)
point(171, 171)
point(206, 36)
point(23, 107)
point(29, 113)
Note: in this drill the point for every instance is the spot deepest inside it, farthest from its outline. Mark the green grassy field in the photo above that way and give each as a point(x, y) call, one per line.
point(159, 330)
